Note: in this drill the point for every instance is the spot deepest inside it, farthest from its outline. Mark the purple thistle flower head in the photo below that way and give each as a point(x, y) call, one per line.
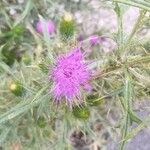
point(49, 25)
point(70, 74)
point(94, 40)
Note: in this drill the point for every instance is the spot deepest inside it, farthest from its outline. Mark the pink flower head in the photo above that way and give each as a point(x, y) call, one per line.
point(94, 40)
point(49, 25)
point(69, 75)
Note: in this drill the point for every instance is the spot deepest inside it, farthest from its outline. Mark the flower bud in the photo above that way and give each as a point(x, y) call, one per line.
point(26, 59)
point(67, 27)
point(81, 112)
point(41, 122)
point(16, 88)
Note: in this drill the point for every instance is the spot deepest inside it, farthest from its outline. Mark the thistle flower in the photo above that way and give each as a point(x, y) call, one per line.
point(69, 75)
point(94, 40)
point(49, 25)
point(106, 43)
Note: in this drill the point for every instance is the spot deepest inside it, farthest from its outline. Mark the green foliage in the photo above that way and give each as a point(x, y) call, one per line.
point(13, 34)
point(8, 56)
point(10, 51)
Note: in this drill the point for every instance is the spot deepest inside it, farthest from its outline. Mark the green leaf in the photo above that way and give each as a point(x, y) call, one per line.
point(126, 103)
point(81, 112)
point(119, 13)
point(94, 100)
point(134, 132)
point(7, 69)
point(41, 122)
point(3, 134)
point(26, 11)
point(140, 4)
point(22, 107)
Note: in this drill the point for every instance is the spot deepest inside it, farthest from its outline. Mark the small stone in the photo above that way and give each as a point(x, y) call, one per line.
point(12, 12)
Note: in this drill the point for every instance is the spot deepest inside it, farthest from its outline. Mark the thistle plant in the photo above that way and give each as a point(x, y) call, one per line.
point(58, 92)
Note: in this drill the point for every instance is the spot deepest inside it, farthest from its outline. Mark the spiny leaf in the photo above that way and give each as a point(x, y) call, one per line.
point(4, 134)
point(126, 104)
point(134, 132)
point(142, 4)
point(22, 107)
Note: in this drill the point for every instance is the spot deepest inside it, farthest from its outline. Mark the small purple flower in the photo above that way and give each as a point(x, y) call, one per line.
point(69, 75)
point(80, 37)
point(49, 25)
point(107, 44)
point(94, 40)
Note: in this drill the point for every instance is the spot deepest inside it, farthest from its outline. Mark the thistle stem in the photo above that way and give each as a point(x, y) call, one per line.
point(135, 4)
point(131, 62)
point(136, 26)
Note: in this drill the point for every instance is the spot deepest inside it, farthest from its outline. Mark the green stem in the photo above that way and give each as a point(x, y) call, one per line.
point(142, 2)
point(136, 26)
point(125, 130)
point(120, 25)
point(131, 62)
point(127, 101)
